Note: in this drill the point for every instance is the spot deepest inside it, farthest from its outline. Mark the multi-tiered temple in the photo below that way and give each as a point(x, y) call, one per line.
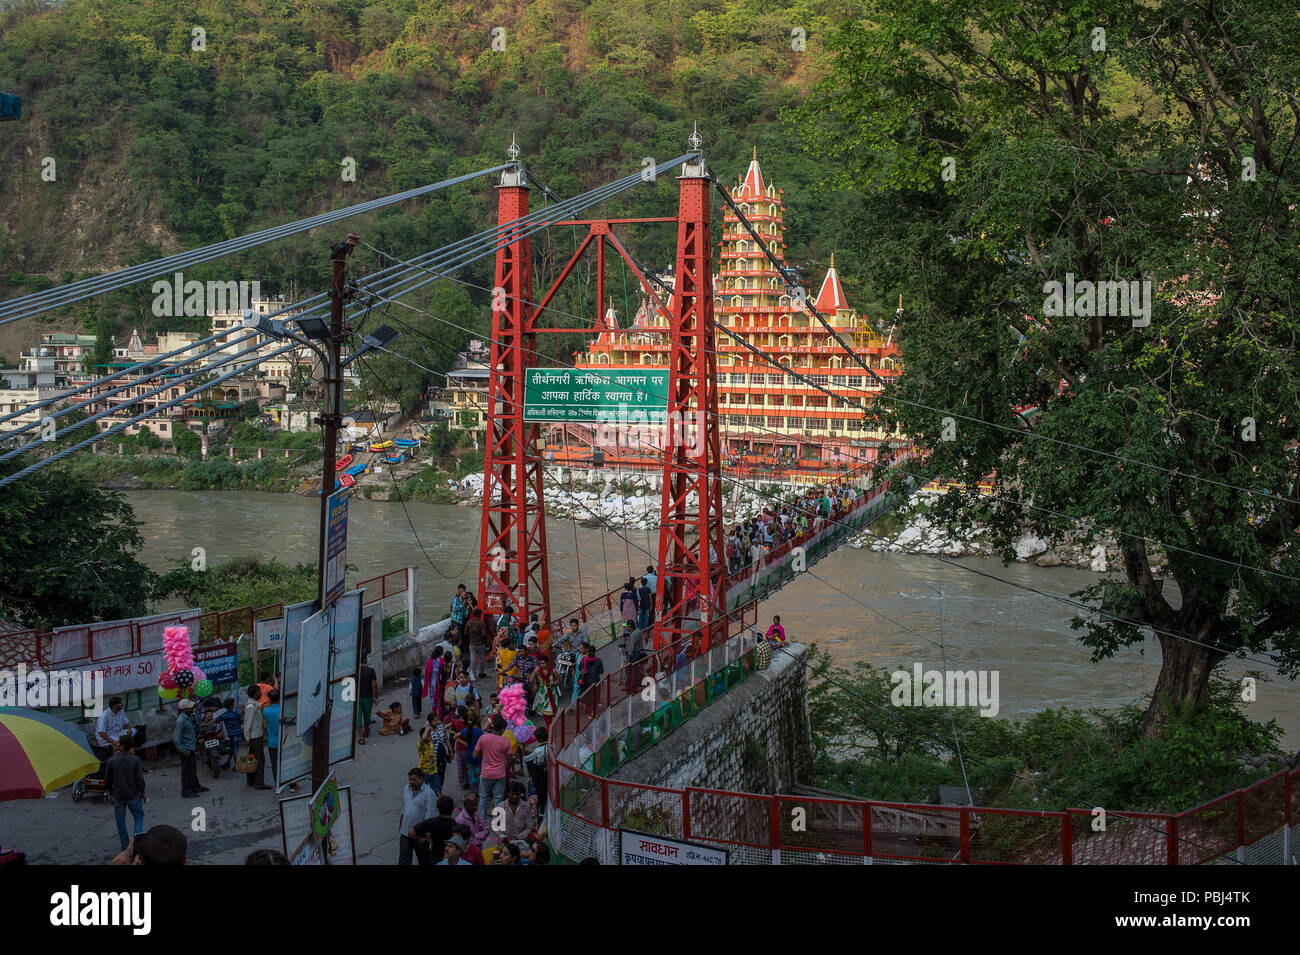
point(772, 423)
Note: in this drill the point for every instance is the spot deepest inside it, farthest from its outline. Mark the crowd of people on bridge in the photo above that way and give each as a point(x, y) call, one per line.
point(795, 519)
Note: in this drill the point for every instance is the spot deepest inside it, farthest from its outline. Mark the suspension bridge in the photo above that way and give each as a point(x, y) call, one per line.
point(706, 614)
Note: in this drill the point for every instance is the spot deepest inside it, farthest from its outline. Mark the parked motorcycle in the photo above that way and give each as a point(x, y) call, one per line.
point(214, 748)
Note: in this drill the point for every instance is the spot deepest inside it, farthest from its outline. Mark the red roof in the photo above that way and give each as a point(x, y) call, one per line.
point(832, 294)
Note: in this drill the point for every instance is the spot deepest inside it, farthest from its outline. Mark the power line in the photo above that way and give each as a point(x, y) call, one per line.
point(39, 302)
point(66, 452)
point(1090, 610)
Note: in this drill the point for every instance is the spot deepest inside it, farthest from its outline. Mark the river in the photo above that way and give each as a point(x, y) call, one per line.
point(880, 608)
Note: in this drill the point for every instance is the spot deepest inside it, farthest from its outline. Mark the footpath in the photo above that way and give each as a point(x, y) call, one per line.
point(232, 819)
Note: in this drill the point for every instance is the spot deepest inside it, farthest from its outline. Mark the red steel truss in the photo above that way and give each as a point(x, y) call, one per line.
point(691, 587)
point(512, 553)
point(512, 557)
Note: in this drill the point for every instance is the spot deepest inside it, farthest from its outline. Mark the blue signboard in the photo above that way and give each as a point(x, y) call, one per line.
point(11, 107)
point(219, 661)
point(336, 545)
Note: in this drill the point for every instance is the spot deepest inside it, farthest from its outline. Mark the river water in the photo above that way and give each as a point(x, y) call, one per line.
point(889, 610)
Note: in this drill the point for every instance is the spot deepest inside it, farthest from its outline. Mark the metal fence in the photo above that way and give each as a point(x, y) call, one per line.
point(630, 710)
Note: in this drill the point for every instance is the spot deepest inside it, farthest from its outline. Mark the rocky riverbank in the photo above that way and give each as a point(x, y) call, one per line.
point(921, 536)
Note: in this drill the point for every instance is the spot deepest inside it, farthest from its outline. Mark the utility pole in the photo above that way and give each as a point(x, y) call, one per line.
point(332, 420)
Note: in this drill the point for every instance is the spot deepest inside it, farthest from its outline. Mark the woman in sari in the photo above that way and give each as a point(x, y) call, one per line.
point(441, 675)
point(544, 691)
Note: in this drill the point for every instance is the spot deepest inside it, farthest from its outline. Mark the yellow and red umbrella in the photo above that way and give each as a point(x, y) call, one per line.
point(40, 753)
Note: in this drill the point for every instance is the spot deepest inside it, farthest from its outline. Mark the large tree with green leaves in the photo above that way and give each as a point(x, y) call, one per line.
point(997, 147)
point(69, 553)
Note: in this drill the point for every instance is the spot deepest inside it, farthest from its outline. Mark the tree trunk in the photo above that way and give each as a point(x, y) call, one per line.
point(1184, 680)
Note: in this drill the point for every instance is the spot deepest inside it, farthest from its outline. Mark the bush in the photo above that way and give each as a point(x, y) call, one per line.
point(186, 442)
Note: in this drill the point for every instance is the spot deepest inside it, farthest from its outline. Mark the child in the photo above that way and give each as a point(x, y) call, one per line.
point(234, 728)
point(395, 724)
point(417, 690)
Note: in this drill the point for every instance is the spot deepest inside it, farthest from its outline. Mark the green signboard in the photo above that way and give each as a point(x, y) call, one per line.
point(589, 394)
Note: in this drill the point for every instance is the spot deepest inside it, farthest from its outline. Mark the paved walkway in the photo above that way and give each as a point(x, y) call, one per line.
point(232, 819)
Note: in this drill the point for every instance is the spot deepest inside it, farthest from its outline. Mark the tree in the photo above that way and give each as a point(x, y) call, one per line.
point(104, 344)
point(185, 441)
point(998, 148)
point(240, 582)
point(70, 552)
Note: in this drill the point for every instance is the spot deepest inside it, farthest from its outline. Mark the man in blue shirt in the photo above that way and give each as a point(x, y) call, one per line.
point(272, 713)
point(454, 847)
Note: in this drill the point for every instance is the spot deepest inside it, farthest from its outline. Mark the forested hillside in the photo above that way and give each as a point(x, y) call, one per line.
point(160, 146)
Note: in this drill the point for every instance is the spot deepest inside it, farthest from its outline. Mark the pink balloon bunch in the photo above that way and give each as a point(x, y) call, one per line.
point(514, 704)
point(514, 707)
point(180, 659)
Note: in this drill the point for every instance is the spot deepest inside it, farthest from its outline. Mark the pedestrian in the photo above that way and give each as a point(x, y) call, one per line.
point(443, 679)
point(124, 775)
point(476, 637)
point(494, 749)
point(453, 849)
point(469, 816)
point(535, 763)
point(472, 733)
point(651, 578)
point(506, 662)
point(234, 728)
point(627, 601)
point(519, 815)
point(426, 749)
point(633, 652)
point(418, 804)
point(590, 670)
point(417, 690)
point(255, 735)
point(472, 854)
point(186, 738)
point(368, 692)
point(272, 713)
point(645, 604)
point(455, 726)
point(459, 606)
point(433, 832)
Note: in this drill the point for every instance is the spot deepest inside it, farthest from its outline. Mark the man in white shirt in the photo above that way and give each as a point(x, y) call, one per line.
point(417, 805)
point(113, 724)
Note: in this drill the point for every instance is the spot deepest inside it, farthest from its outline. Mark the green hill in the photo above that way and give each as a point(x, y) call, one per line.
point(160, 145)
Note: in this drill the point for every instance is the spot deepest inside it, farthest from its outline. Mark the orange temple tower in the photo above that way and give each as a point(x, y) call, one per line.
point(774, 425)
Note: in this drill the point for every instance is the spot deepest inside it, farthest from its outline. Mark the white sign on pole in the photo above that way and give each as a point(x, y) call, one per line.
point(270, 633)
point(641, 849)
point(313, 668)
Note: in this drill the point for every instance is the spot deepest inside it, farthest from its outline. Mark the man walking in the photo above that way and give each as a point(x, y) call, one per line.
point(186, 738)
point(417, 806)
point(255, 734)
point(432, 833)
point(645, 605)
point(494, 748)
point(476, 635)
point(125, 777)
point(366, 698)
point(633, 652)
